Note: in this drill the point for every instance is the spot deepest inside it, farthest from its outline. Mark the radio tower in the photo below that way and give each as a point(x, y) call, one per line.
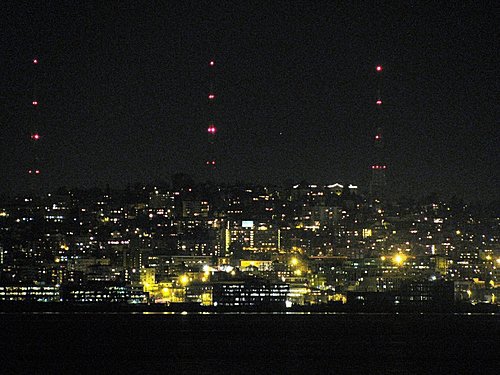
point(378, 180)
point(34, 169)
point(211, 161)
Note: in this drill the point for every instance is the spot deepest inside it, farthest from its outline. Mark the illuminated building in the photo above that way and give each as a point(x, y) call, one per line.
point(97, 293)
point(162, 204)
point(30, 293)
point(410, 293)
point(249, 293)
point(199, 293)
point(195, 208)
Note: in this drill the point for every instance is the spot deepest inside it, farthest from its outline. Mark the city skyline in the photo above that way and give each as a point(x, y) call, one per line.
point(123, 94)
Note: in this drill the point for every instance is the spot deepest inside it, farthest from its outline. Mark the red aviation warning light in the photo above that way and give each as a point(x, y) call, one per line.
point(379, 68)
point(37, 171)
point(212, 129)
point(34, 102)
point(211, 96)
point(379, 102)
point(378, 137)
point(35, 61)
point(212, 63)
point(35, 137)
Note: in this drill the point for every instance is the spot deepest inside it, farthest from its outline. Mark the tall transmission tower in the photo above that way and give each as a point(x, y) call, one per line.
point(34, 168)
point(378, 181)
point(211, 161)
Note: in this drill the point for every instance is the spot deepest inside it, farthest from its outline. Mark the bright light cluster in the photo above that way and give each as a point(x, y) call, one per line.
point(399, 259)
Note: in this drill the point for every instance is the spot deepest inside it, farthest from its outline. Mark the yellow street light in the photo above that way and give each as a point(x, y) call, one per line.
point(382, 258)
point(399, 259)
point(294, 261)
point(184, 280)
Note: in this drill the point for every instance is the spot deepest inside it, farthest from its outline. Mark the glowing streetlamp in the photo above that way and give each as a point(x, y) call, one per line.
point(399, 259)
point(184, 280)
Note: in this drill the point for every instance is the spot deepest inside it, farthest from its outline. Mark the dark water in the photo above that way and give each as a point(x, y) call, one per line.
point(250, 343)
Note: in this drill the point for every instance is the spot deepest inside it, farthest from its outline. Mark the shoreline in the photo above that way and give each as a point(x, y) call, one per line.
point(62, 307)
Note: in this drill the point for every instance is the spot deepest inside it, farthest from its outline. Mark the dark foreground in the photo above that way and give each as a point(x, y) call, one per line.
point(250, 343)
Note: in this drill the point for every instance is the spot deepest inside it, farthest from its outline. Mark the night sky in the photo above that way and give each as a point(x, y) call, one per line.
point(123, 92)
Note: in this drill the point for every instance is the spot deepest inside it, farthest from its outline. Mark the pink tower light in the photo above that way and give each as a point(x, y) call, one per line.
point(379, 68)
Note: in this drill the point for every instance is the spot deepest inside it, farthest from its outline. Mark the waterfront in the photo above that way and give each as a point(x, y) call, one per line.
point(249, 343)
